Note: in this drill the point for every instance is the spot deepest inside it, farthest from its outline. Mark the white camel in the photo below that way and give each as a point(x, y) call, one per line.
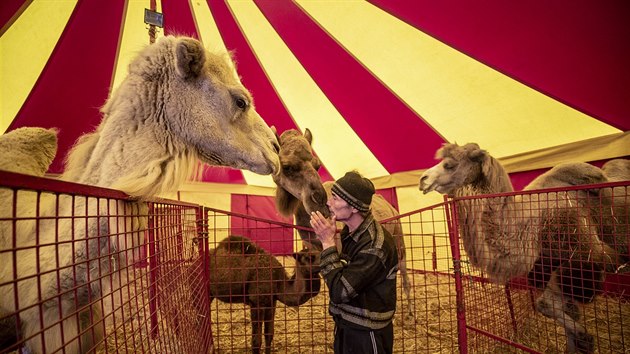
point(555, 238)
point(179, 104)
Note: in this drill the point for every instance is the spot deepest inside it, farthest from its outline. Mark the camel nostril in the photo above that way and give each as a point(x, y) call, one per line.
point(276, 146)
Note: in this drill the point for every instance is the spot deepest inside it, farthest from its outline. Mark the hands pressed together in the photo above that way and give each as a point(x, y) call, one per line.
point(324, 228)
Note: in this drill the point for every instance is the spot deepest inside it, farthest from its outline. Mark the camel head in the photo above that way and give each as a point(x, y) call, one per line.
point(203, 105)
point(307, 262)
point(462, 166)
point(297, 179)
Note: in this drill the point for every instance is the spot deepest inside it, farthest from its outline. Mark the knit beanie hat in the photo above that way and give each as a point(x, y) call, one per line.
point(355, 190)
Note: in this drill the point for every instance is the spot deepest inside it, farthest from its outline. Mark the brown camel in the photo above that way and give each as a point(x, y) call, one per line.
point(556, 239)
point(242, 272)
point(300, 191)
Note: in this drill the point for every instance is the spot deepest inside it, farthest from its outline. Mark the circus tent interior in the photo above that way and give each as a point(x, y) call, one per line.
point(380, 84)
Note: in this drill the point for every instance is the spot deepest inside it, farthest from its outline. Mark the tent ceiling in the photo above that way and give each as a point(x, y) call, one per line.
point(380, 84)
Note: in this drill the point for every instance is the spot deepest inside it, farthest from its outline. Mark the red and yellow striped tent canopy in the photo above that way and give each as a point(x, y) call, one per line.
point(380, 84)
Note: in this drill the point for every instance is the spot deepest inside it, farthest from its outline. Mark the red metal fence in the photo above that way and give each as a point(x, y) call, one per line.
point(88, 268)
point(575, 295)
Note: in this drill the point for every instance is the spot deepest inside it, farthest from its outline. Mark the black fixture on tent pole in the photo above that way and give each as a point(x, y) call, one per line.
point(153, 19)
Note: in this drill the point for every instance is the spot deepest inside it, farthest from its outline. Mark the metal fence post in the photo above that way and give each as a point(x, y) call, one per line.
point(453, 234)
point(202, 236)
point(153, 272)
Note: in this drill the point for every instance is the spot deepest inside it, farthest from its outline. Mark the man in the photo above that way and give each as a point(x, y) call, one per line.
point(362, 279)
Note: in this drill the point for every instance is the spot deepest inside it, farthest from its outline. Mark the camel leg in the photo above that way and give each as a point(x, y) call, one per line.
point(257, 317)
point(407, 288)
point(553, 305)
point(269, 314)
point(52, 336)
point(90, 322)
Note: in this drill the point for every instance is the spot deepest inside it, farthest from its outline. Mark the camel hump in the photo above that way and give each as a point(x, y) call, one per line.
point(28, 150)
point(239, 244)
point(568, 174)
point(381, 208)
point(617, 170)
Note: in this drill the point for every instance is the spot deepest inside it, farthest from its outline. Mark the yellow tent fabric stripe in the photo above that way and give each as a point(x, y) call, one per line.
point(24, 51)
point(135, 36)
point(505, 116)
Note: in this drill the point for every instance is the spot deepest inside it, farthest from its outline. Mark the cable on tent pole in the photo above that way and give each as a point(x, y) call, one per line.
point(153, 7)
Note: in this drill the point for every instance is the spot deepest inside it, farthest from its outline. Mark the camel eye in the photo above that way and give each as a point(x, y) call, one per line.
point(241, 103)
point(449, 165)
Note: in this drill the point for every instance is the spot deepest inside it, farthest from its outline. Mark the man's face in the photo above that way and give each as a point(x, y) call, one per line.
point(340, 208)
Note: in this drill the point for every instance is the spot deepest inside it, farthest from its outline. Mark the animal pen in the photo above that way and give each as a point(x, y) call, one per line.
point(156, 299)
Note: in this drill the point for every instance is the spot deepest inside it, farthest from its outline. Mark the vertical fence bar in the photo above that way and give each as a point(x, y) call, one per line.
point(14, 283)
point(508, 296)
point(153, 273)
point(202, 235)
point(453, 234)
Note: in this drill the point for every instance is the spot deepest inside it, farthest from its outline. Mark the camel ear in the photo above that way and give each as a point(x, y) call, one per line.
point(308, 135)
point(442, 151)
point(317, 164)
point(481, 156)
point(477, 155)
point(487, 164)
point(190, 57)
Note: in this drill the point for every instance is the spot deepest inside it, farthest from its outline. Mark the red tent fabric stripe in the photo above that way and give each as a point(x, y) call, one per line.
point(575, 52)
point(264, 208)
point(216, 174)
point(384, 123)
point(87, 49)
point(178, 18)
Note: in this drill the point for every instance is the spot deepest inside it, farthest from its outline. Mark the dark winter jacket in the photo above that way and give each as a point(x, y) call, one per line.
point(362, 280)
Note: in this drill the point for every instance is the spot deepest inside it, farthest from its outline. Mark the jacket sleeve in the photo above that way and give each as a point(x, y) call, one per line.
point(346, 281)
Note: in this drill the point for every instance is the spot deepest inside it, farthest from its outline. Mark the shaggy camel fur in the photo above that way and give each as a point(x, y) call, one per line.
point(617, 170)
point(179, 104)
point(300, 191)
point(242, 272)
point(28, 151)
point(553, 237)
